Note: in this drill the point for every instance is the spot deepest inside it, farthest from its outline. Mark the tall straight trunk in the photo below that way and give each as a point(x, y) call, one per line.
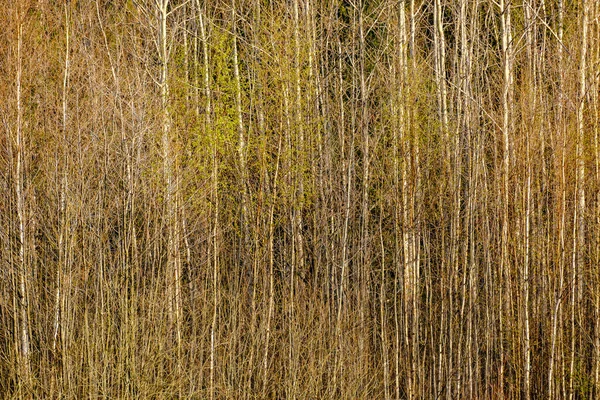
point(63, 283)
point(271, 277)
point(61, 209)
point(214, 246)
point(446, 334)
point(259, 279)
point(298, 151)
point(595, 100)
point(556, 306)
point(579, 218)
point(581, 137)
point(466, 163)
point(440, 64)
point(526, 283)
point(530, 118)
point(215, 274)
point(348, 178)
point(408, 185)
point(383, 330)
point(406, 261)
point(173, 267)
point(477, 173)
point(21, 294)
point(414, 256)
point(245, 285)
point(242, 144)
point(301, 151)
point(507, 98)
point(196, 49)
point(365, 248)
point(398, 68)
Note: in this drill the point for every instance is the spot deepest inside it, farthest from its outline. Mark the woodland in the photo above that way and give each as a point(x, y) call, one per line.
point(300, 199)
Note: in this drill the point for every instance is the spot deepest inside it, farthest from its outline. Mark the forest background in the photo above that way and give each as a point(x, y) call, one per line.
point(300, 199)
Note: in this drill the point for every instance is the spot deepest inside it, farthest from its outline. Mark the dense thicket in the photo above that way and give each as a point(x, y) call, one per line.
point(300, 199)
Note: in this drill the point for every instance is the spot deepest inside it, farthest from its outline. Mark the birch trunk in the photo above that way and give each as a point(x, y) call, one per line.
point(579, 218)
point(556, 309)
point(173, 268)
point(507, 98)
point(22, 296)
